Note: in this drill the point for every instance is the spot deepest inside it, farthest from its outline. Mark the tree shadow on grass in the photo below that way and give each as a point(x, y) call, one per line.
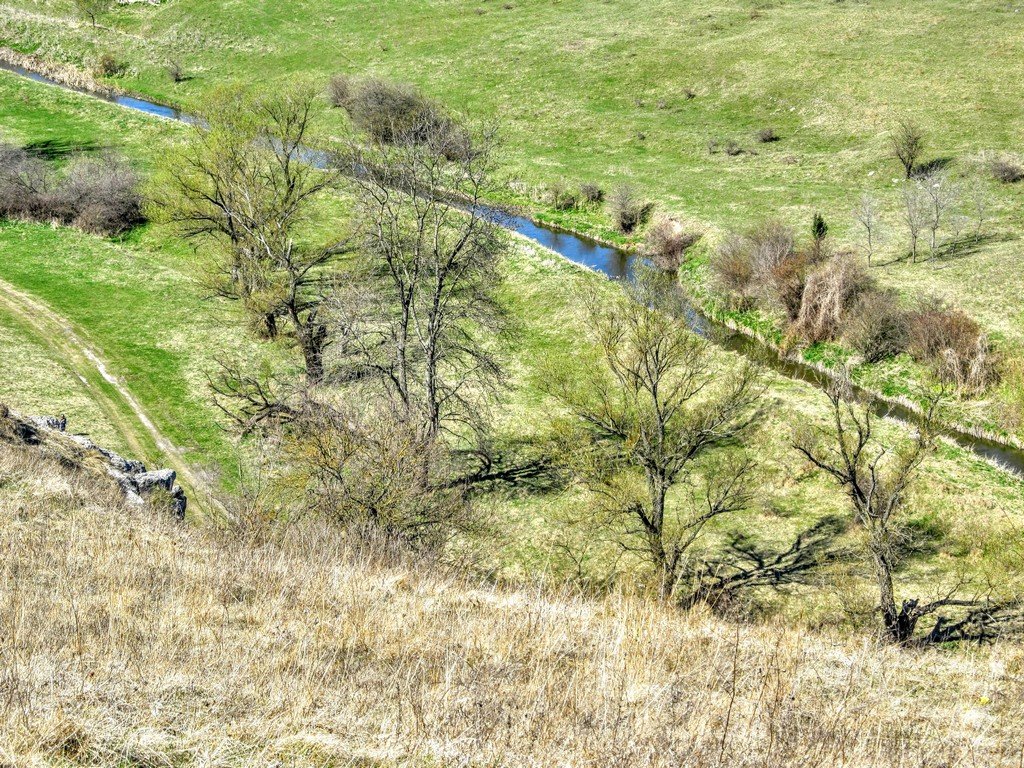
point(55, 149)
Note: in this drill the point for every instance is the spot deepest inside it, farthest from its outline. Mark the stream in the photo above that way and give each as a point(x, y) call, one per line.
point(615, 263)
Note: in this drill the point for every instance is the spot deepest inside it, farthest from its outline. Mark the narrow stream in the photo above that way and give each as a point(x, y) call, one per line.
point(615, 264)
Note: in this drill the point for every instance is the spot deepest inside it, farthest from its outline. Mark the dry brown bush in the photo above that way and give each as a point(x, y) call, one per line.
point(95, 194)
point(877, 326)
point(954, 344)
point(627, 209)
point(831, 290)
point(131, 640)
point(667, 241)
point(1007, 170)
point(394, 113)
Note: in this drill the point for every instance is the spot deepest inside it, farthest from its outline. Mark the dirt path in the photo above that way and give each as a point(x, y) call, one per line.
point(118, 404)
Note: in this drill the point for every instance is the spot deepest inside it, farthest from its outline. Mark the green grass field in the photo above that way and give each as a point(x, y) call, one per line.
point(137, 299)
point(634, 91)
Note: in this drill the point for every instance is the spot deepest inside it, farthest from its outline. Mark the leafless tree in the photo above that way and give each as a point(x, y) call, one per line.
point(916, 214)
point(907, 140)
point(92, 9)
point(649, 417)
point(244, 183)
point(876, 478)
point(942, 194)
point(425, 324)
point(867, 215)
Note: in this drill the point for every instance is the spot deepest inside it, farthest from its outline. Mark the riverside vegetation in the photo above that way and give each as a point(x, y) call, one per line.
point(379, 382)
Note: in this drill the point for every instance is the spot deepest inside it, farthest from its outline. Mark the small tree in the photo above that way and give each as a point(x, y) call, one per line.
point(942, 195)
point(819, 231)
point(650, 416)
point(432, 269)
point(92, 9)
point(908, 143)
point(867, 215)
point(627, 209)
point(916, 214)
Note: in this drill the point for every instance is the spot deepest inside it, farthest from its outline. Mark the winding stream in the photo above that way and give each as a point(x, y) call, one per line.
point(615, 263)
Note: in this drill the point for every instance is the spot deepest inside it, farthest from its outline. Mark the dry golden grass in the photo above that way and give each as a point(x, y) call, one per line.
point(126, 639)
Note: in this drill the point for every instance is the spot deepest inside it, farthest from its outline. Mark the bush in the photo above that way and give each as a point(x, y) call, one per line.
point(626, 208)
point(339, 89)
point(100, 196)
point(176, 72)
point(767, 136)
point(108, 66)
point(562, 198)
point(393, 113)
point(667, 241)
point(591, 193)
point(1007, 170)
point(732, 270)
point(96, 195)
point(953, 343)
point(829, 294)
point(762, 264)
point(877, 326)
point(24, 179)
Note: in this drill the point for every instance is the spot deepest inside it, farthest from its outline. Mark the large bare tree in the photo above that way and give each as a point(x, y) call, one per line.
point(876, 477)
point(650, 415)
point(422, 318)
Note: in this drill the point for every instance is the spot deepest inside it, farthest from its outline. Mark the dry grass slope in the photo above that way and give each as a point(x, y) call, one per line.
point(126, 639)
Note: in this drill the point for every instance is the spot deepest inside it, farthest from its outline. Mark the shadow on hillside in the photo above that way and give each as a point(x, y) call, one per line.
point(54, 149)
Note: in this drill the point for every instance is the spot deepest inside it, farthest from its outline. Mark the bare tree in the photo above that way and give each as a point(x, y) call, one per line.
point(942, 195)
point(916, 214)
point(867, 215)
point(907, 140)
point(92, 9)
point(876, 478)
point(650, 415)
point(244, 184)
point(425, 325)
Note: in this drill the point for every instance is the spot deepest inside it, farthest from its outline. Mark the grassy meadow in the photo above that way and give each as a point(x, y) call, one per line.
point(636, 91)
point(139, 301)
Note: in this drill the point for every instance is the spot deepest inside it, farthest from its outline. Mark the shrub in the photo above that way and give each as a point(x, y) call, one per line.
point(877, 326)
point(953, 343)
point(176, 72)
point(732, 149)
point(108, 66)
point(830, 292)
point(1007, 170)
point(100, 196)
point(339, 89)
point(767, 136)
point(626, 208)
point(732, 269)
point(96, 195)
point(562, 198)
point(393, 113)
point(23, 180)
point(591, 193)
point(667, 241)
point(762, 264)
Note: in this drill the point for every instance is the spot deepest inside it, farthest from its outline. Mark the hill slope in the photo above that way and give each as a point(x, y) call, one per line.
point(130, 640)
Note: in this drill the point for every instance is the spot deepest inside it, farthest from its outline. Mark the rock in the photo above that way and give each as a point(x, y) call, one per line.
point(161, 478)
point(136, 483)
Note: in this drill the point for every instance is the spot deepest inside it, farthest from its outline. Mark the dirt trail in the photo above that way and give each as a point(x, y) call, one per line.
point(127, 416)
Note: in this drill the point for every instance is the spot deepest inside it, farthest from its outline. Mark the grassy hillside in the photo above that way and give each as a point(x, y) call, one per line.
point(138, 301)
point(635, 91)
point(130, 640)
